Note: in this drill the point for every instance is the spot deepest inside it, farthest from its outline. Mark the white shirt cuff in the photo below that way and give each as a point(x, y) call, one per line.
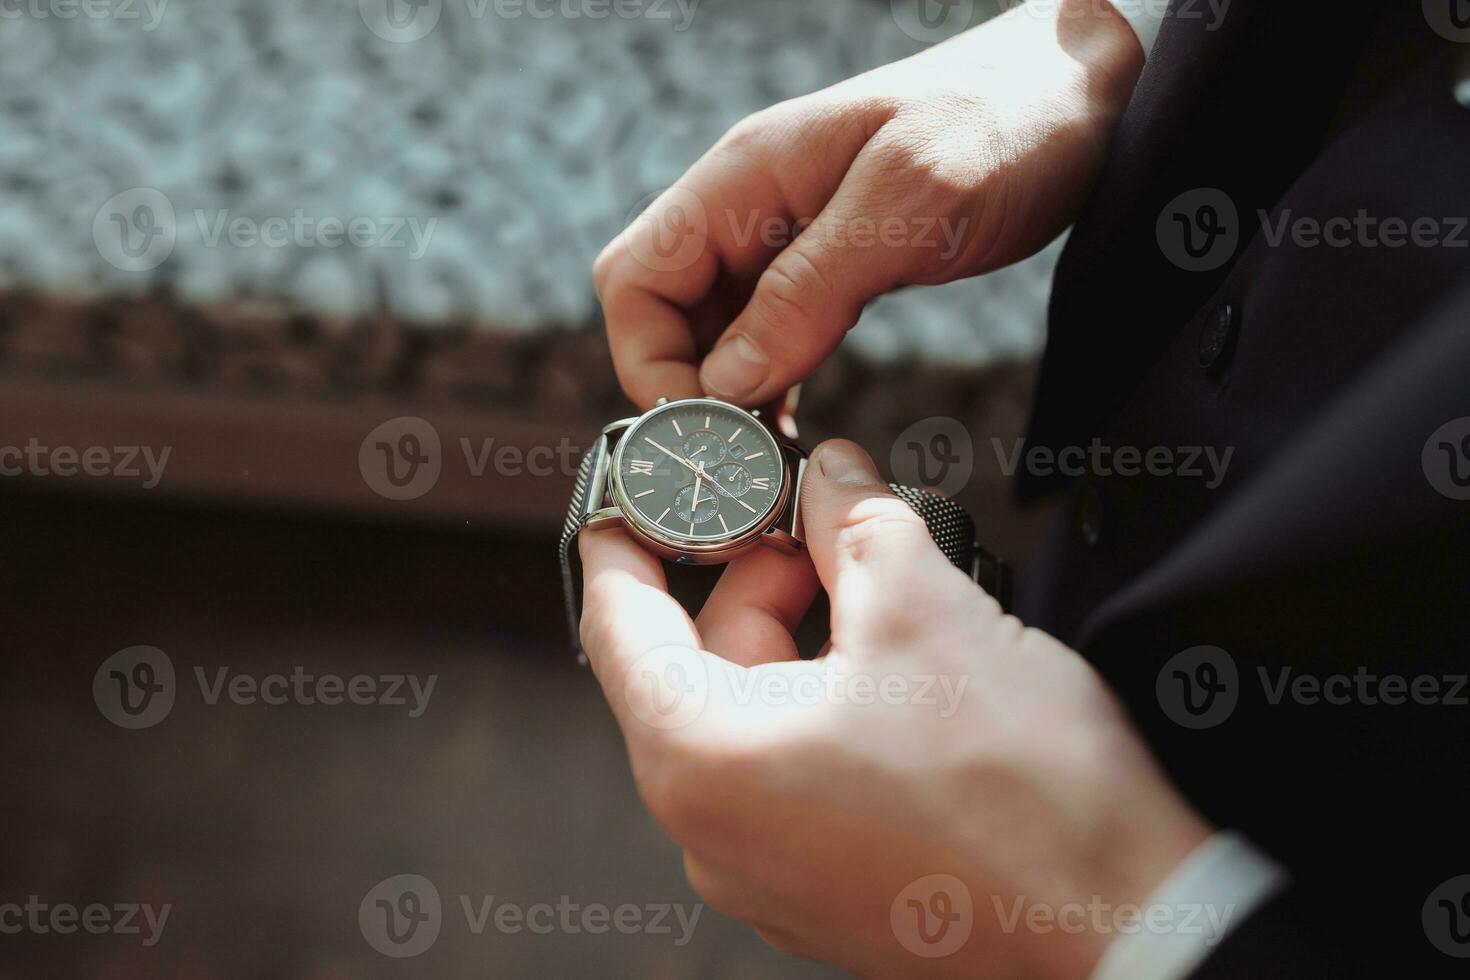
point(1146, 16)
point(1212, 891)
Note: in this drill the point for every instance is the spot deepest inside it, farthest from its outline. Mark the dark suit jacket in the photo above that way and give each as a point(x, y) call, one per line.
point(1335, 545)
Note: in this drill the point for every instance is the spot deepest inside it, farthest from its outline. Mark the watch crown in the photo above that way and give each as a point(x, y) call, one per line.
point(660, 403)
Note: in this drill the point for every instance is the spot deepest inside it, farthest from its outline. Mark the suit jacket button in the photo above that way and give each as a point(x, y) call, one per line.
point(1217, 336)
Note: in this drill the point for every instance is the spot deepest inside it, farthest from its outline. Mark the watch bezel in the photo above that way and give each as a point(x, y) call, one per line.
point(670, 544)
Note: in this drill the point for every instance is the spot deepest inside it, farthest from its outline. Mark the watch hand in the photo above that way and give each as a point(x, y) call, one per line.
point(670, 454)
point(716, 484)
point(698, 477)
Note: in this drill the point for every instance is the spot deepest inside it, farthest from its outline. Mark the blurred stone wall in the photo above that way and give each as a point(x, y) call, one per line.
point(490, 147)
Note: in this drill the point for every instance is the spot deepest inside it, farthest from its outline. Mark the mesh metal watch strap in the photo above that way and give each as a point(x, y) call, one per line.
point(949, 524)
point(581, 506)
point(952, 528)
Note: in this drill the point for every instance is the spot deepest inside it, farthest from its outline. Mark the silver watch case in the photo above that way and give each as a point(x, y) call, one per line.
point(779, 527)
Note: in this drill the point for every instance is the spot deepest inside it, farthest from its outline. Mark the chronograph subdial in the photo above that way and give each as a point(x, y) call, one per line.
point(696, 510)
point(732, 479)
point(705, 447)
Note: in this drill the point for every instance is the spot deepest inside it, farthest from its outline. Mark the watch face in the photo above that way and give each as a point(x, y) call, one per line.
point(699, 471)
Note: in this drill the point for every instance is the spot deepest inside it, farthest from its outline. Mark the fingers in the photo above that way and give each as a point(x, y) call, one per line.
point(809, 297)
point(724, 222)
point(627, 613)
point(667, 262)
point(756, 606)
point(873, 554)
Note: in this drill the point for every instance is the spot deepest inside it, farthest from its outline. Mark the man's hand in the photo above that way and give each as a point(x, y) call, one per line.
point(818, 799)
point(960, 160)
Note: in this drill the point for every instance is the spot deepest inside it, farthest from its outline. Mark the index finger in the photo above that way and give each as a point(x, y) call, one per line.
point(668, 260)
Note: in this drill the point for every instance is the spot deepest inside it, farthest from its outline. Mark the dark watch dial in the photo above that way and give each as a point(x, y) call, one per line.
point(700, 471)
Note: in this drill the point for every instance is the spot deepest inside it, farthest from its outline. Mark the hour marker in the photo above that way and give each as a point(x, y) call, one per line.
point(645, 493)
point(760, 483)
point(722, 523)
point(676, 426)
point(706, 421)
point(660, 517)
point(755, 456)
point(746, 506)
point(640, 467)
point(736, 434)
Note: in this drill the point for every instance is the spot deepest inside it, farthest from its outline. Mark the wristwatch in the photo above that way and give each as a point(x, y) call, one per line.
point(699, 481)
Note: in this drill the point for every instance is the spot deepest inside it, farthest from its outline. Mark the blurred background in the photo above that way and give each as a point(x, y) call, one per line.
point(244, 245)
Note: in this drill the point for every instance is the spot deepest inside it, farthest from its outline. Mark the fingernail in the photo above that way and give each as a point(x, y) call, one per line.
point(844, 462)
point(735, 368)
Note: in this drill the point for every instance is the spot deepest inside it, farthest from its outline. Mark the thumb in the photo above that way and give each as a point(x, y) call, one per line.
point(874, 555)
point(806, 300)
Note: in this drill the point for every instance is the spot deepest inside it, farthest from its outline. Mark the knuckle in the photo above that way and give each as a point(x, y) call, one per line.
point(792, 288)
point(668, 796)
point(749, 135)
point(607, 267)
point(782, 942)
point(714, 890)
point(874, 524)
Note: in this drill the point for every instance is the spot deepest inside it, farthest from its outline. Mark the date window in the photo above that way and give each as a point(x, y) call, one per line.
point(737, 450)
